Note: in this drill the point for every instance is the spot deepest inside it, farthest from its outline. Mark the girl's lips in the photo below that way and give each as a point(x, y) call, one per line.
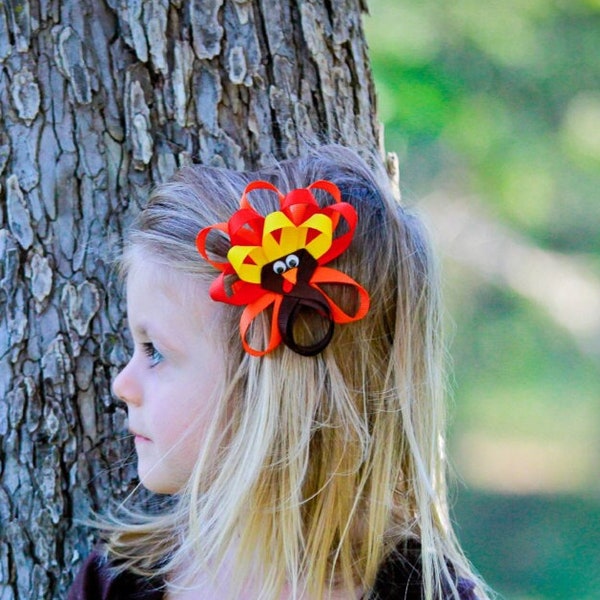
point(139, 438)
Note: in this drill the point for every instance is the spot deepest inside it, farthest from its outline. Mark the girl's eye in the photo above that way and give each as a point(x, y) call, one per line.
point(152, 353)
point(279, 267)
point(292, 261)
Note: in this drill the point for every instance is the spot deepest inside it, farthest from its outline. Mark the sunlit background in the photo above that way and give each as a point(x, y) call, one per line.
point(494, 111)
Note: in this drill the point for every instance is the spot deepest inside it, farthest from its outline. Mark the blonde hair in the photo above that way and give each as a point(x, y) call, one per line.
point(317, 469)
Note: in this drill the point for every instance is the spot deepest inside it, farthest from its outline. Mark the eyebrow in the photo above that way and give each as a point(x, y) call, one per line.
point(139, 328)
point(142, 329)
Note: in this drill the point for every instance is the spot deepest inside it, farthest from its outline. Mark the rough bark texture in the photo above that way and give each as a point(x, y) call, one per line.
point(100, 99)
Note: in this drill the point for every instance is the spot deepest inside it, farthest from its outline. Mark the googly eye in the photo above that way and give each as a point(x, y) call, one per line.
point(291, 260)
point(279, 267)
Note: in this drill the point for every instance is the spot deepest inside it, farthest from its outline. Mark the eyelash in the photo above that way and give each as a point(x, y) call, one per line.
point(152, 353)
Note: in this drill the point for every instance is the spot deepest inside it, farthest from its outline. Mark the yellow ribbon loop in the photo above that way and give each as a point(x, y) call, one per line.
point(247, 262)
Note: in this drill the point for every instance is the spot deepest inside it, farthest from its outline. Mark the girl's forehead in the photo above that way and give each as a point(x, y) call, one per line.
point(170, 308)
point(147, 276)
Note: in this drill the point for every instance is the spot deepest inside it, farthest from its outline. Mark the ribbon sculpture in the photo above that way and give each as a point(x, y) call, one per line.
point(278, 260)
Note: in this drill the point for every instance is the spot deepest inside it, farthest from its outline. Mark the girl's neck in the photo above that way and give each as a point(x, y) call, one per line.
point(209, 591)
point(205, 587)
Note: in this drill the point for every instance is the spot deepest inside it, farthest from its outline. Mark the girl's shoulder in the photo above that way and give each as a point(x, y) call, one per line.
point(97, 579)
point(400, 576)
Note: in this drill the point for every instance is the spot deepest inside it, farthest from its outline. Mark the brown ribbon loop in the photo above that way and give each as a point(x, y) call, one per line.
point(288, 313)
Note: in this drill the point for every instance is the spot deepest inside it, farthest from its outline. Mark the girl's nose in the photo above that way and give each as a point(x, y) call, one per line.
point(125, 386)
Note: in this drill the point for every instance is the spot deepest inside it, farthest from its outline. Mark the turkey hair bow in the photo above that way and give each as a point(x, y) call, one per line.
point(278, 261)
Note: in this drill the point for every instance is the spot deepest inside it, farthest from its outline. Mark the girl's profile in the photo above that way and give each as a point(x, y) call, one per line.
point(286, 390)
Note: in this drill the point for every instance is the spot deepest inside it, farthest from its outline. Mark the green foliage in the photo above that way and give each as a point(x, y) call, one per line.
point(501, 101)
point(508, 91)
point(518, 374)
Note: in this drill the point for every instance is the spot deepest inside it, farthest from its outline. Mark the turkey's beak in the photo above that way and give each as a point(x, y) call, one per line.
point(290, 279)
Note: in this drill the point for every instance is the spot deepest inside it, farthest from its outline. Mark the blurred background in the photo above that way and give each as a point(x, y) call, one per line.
point(494, 111)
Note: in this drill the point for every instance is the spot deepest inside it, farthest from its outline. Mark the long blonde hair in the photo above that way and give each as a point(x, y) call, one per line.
point(316, 469)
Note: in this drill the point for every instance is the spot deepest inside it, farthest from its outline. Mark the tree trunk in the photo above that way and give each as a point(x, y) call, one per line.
point(100, 99)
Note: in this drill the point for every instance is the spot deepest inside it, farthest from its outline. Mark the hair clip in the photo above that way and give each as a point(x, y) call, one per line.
point(279, 261)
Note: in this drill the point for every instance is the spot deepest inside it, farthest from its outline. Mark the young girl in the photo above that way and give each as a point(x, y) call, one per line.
point(286, 389)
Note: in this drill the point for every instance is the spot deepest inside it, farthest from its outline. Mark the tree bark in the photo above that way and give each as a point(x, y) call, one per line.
point(99, 100)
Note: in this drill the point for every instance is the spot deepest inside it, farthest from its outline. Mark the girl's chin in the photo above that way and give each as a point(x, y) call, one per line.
point(156, 482)
point(157, 487)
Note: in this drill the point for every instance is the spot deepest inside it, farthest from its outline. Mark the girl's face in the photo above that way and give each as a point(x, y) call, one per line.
point(173, 380)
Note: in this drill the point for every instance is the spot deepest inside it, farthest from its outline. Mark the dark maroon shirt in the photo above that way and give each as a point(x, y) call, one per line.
point(398, 579)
